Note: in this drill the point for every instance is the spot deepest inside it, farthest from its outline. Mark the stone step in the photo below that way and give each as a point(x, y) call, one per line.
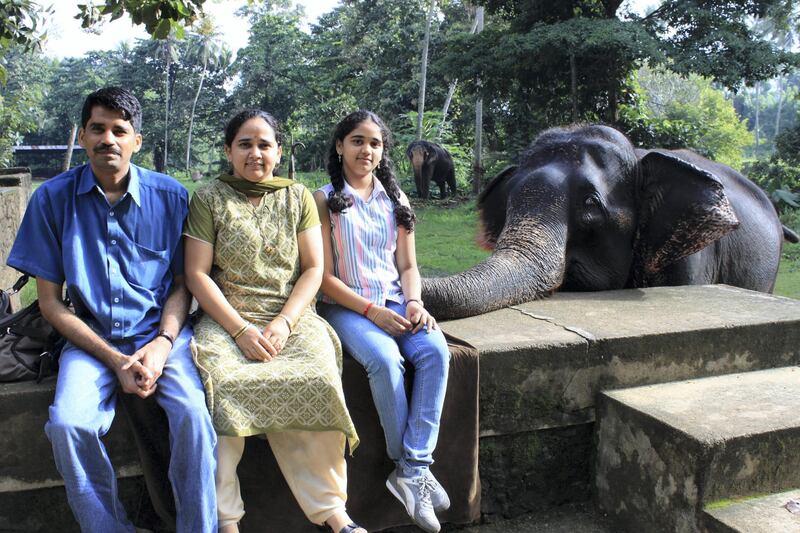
point(664, 451)
point(543, 363)
point(766, 514)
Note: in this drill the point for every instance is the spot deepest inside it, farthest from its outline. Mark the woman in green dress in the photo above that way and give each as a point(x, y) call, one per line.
point(269, 364)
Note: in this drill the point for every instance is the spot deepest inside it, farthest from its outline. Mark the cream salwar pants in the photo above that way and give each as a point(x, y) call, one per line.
point(312, 462)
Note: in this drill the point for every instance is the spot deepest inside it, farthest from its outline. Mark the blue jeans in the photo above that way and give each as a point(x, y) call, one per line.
point(411, 427)
point(84, 407)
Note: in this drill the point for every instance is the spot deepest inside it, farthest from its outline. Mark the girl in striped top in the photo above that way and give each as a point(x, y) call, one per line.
point(371, 297)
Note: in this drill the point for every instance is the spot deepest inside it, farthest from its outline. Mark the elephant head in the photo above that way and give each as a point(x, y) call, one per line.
point(418, 154)
point(584, 210)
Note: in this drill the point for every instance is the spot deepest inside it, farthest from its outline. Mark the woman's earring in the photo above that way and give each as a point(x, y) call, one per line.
point(340, 159)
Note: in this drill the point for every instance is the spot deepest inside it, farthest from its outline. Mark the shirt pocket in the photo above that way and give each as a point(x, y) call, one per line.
point(149, 266)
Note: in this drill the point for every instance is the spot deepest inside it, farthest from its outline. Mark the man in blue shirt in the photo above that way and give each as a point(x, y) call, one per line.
point(111, 231)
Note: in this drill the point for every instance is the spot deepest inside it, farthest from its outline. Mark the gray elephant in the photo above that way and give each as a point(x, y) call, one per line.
point(585, 211)
point(431, 162)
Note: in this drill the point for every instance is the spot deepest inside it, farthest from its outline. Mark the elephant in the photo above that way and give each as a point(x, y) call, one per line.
point(431, 162)
point(586, 211)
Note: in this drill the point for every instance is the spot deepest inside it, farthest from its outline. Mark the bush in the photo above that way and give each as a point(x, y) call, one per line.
point(778, 179)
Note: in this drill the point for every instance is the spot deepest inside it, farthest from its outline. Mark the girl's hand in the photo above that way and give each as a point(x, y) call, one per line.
point(255, 346)
point(388, 320)
point(277, 332)
point(419, 317)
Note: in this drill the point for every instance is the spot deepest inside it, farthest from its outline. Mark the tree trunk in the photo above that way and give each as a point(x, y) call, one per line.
point(191, 117)
point(757, 109)
point(445, 107)
point(166, 114)
point(70, 146)
point(452, 90)
point(424, 70)
point(477, 167)
point(573, 76)
point(780, 108)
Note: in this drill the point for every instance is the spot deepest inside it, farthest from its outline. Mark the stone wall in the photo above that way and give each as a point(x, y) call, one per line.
point(542, 365)
point(15, 190)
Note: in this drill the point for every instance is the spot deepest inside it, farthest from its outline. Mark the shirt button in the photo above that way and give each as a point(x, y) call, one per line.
point(113, 241)
point(116, 324)
point(116, 300)
point(111, 213)
point(113, 270)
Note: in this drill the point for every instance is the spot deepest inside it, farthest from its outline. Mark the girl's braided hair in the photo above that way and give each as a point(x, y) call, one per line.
point(338, 200)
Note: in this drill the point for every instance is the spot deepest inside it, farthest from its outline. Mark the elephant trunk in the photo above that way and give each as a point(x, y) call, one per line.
point(417, 160)
point(527, 264)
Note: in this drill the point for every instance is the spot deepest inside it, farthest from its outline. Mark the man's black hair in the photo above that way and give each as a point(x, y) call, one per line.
point(115, 99)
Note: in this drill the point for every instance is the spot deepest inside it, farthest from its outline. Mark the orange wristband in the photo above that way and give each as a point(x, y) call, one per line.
point(366, 309)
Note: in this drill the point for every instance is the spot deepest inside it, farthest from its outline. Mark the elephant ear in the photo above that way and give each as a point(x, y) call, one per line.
point(682, 209)
point(492, 208)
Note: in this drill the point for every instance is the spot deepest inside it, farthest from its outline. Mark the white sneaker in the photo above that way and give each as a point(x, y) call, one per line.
point(439, 497)
point(415, 494)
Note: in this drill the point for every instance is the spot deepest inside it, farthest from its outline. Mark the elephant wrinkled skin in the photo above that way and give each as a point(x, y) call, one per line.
point(585, 211)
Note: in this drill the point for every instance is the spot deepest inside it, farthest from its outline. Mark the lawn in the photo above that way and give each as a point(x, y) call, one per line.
point(445, 238)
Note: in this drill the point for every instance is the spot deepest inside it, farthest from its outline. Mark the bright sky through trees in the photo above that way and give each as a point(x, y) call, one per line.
point(67, 39)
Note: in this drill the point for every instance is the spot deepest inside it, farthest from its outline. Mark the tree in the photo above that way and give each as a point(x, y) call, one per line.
point(21, 99)
point(20, 21)
point(426, 41)
point(544, 63)
point(672, 111)
point(160, 18)
point(204, 45)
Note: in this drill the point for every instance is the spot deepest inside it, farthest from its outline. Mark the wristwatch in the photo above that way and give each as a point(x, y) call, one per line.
point(167, 335)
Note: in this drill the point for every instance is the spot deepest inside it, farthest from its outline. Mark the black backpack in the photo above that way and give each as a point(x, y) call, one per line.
point(29, 346)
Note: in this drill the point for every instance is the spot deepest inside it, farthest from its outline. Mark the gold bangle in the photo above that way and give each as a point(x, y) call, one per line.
point(286, 319)
point(241, 331)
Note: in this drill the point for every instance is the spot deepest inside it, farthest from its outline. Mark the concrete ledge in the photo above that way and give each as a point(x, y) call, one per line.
point(26, 458)
point(664, 451)
point(766, 514)
point(543, 363)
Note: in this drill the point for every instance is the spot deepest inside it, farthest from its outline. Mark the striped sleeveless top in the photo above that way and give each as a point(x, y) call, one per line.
point(364, 240)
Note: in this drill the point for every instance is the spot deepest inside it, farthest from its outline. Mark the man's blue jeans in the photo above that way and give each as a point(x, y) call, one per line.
point(411, 427)
point(84, 407)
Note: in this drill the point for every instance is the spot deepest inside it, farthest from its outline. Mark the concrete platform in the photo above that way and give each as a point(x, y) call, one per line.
point(665, 451)
point(758, 515)
point(543, 363)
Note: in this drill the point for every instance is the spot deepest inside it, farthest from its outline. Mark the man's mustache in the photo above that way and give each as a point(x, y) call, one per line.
point(105, 149)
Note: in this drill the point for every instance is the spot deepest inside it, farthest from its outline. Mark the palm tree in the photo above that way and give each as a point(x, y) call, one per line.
point(167, 50)
point(205, 47)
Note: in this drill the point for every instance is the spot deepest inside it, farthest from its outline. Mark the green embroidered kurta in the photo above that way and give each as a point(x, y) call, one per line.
point(256, 264)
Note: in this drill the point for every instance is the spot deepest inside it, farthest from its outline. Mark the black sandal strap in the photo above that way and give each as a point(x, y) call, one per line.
point(349, 528)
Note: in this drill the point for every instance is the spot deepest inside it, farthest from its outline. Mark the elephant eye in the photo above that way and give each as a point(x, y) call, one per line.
point(593, 210)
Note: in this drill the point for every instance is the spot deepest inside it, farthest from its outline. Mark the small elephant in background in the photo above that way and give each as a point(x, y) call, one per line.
point(431, 162)
point(586, 211)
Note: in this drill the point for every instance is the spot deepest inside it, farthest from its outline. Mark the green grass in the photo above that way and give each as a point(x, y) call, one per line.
point(445, 237)
point(788, 281)
point(721, 504)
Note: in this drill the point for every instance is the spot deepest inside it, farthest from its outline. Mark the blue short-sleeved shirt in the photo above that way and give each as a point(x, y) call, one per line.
point(117, 261)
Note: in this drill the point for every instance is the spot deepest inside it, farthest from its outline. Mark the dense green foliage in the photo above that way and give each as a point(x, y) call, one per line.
point(665, 78)
point(671, 111)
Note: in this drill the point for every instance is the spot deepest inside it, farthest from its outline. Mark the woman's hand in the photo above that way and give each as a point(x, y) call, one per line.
point(276, 333)
point(255, 346)
point(388, 320)
point(419, 317)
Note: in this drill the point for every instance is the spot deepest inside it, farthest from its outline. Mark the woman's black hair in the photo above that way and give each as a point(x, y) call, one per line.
point(338, 200)
point(246, 114)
